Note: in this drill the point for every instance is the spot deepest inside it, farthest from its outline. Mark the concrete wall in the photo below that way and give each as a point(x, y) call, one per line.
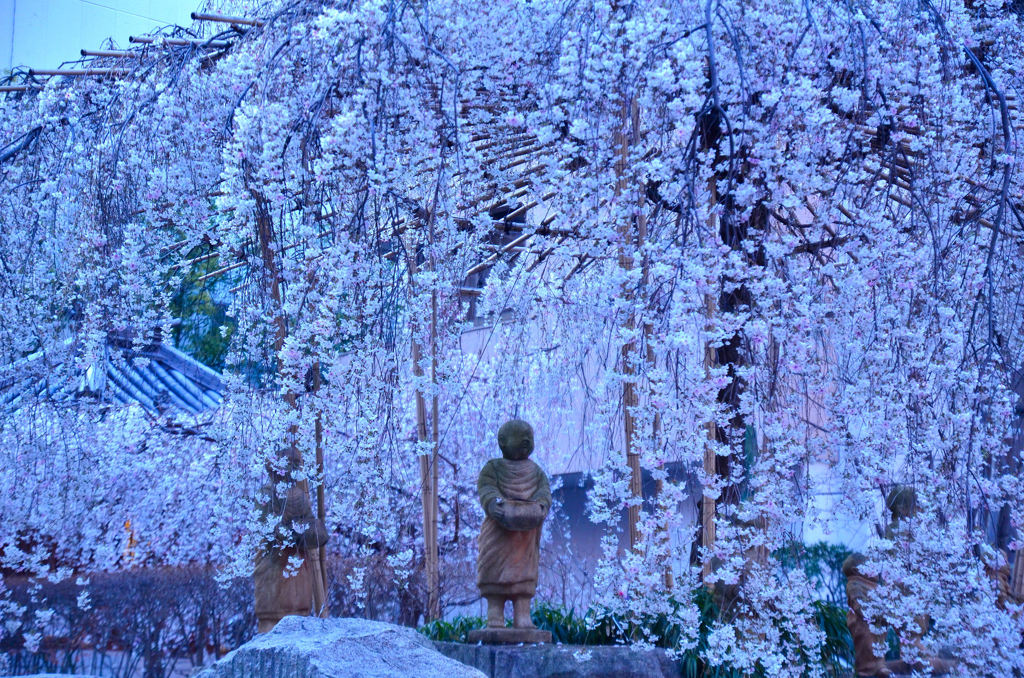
point(45, 33)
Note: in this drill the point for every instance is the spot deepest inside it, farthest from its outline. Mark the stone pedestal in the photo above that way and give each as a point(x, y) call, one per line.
point(508, 636)
point(564, 661)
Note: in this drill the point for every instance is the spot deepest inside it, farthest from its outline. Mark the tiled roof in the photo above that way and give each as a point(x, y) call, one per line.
point(158, 377)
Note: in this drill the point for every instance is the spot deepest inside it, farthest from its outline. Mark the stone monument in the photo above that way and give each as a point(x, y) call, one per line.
point(515, 496)
point(287, 578)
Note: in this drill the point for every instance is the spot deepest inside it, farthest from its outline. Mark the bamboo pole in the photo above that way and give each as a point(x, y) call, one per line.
point(179, 42)
point(100, 72)
point(434, 579)
point(240, 20)
point(707, 503)
point(622, 140)
point(116, 53)
point(428, 463)
point(321, 506)
point(707, 511)
point(659, 486)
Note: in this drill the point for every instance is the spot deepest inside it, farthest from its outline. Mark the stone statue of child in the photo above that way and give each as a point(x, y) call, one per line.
point(516, 497)
point(297, 532)
point(902, 504)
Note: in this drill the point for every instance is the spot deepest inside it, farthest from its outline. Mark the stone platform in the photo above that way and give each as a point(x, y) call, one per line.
point(563, 661)
point(509, 636)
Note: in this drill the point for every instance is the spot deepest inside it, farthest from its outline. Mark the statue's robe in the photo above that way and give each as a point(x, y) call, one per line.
point(866, 662)
point(509, 558)
point(302, 592)
point(858, 587)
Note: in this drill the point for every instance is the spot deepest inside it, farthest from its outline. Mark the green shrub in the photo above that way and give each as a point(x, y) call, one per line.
point(599, 626)
point(454, 631)
point(837, 650)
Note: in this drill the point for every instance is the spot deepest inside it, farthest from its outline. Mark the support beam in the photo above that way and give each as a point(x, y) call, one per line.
point(632, 231)
point(222, 18)
point(707, 504)
point(427, 462)
point(179, 42)
point(114, 53)
point(100, 72)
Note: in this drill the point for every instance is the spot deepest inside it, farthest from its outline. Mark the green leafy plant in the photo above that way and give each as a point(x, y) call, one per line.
point(822, 563)
point(454, 631)
point(204, 328)
point(837, 650)
point(600, 626)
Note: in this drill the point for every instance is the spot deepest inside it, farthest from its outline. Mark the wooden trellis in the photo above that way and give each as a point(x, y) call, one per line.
point(512, 202)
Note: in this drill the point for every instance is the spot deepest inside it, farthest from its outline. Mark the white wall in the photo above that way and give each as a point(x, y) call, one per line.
point(45, 33)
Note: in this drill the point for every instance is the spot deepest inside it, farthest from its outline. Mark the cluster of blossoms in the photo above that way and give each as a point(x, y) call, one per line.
point(787, 234)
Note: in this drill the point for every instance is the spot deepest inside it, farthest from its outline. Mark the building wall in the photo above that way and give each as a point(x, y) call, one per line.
point(45, 33)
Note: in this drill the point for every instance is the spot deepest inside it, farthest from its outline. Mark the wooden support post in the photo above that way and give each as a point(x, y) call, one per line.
point(100, 72)
point(179, 42)
point(707, 509)
point(434, 571)
point(633, 230)
point(321, 508)
point(115, 53)
point(659, 485)
point(428, 463)
point(236, 20)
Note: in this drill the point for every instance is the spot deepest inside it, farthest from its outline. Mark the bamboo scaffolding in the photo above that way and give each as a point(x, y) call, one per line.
point(496, 256)
point(632, 229)
point(239, 20)
point(221, 271)
point(428, 463)
point(179, 42)
point(114, 53)
point(101, 72)
point(321, 507)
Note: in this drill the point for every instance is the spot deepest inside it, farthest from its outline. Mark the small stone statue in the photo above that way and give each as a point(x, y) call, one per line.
point(515, 496)
point(902, 504)
point(298, 533)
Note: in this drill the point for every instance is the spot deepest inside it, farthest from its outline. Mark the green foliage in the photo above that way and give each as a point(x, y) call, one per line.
point(599, 626)
point(837, 650)
point(204, 328)
point(892, 640)
point(565, 625)
point(822, 563)
point(454, 631)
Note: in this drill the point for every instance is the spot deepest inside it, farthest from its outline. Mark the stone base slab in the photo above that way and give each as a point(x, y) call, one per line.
point(563, 661)
point(508, 636)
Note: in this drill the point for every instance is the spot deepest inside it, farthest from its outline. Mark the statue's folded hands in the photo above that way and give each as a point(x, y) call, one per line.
point(521, 516)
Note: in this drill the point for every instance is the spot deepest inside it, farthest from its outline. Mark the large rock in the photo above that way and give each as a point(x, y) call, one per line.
point(309, 647)
point(564, 661)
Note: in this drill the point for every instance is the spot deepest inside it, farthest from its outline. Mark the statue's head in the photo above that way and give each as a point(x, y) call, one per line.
point(901, 502)
point(515, 438)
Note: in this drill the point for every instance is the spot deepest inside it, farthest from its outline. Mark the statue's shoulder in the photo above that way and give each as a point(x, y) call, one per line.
point(491, 466)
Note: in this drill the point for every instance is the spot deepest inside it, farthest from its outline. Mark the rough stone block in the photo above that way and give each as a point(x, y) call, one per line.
point(309, 647)
point(563, 661)
point(509, 636)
